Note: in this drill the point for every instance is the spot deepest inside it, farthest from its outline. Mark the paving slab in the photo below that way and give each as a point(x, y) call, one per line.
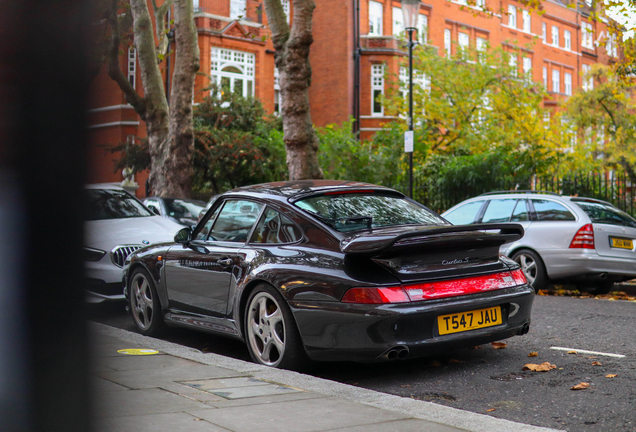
point(142, 402)
point(304, 415)
point(152, 378)
point(408, 425)
point(172, 422)
point(240, 388)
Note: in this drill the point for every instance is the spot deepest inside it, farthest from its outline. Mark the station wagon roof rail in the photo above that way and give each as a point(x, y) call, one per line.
point(520, 192)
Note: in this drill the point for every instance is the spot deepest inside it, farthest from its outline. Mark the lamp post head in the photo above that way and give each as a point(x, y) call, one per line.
point(410, 11)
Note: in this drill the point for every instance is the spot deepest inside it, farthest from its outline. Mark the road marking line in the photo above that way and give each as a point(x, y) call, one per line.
point(588, 352)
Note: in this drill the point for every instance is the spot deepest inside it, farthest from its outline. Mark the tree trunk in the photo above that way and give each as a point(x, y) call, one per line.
point(169, 128)
point(292, 60)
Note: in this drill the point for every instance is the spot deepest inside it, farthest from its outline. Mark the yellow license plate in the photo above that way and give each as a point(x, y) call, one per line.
point(471, 320)
point(622, 243)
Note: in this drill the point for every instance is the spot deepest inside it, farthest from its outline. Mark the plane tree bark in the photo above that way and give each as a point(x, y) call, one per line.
point(292, 60)
point(169, 125)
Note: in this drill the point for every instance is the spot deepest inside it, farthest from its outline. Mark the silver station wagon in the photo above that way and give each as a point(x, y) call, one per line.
point(584, 241)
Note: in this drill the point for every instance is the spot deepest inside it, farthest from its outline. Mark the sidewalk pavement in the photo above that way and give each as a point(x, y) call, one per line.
point(180, 389)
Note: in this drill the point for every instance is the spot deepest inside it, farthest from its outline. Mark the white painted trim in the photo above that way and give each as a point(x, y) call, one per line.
point(371, 129)
point(111, 108)
point(519, 30)
point(119, 123)
point(228, 19)
point(377, 117)
point(562, 49)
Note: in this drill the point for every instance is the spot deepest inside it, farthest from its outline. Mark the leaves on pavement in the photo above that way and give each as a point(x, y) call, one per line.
point(533, 354)
point(499, 345)
point(572, 352)
point(611, 376)
point(596, 363)
point(580, 386)
point(543, 367)
point(491, 409)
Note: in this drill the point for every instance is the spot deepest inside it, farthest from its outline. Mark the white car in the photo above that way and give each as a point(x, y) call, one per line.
point(585, 241)
point(116, 225)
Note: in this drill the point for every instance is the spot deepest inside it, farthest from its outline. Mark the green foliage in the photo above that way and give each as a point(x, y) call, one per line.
point(236, 143)
point(135, 156)
point(343, 157)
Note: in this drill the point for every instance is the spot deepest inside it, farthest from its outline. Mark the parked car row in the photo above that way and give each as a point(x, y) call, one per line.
point(585, 241)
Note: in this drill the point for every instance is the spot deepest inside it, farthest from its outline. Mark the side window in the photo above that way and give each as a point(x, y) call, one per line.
point(521, 213)
point(235, 221)
point(499, 210)
point(551, 211)
point(153, 207)
point(205, 230)
point(275, 228)
point(465, 214)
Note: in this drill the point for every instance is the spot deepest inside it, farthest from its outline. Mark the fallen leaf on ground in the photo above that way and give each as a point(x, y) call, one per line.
point(491, 409)
point(542, 292)
point(611, 376)
point(499, 345)
point(595, 363)
point(572, 352)
point(580, 386)
point(455, 361)
point(405, 385)
point(533, 354)
point(476, 347)
point(543, 367)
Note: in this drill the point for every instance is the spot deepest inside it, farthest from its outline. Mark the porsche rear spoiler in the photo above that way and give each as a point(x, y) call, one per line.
point(379, 241)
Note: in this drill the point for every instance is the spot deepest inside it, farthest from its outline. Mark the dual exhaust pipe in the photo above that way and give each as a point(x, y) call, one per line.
point(397, 352)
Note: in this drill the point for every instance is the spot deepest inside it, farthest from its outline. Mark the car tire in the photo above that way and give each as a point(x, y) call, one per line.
point(145, 306)
point(533, 268)
point(271, 333)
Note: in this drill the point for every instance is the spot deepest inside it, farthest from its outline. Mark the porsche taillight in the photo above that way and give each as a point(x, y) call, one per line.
point(435, 290)
point(584, 238)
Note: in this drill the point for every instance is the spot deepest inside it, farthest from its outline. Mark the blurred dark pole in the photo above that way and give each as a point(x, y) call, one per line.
point(43, 340)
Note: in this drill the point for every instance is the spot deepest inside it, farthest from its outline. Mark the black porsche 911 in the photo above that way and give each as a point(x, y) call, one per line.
point(331, 270)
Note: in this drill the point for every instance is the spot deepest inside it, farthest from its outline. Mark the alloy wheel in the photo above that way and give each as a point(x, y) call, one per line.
point(266, 329)
point(142, 302)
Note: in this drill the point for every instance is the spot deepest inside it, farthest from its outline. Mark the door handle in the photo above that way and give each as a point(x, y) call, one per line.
point(225, 262)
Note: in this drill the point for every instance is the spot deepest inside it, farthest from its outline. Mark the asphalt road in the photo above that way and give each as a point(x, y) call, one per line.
point(492, 381)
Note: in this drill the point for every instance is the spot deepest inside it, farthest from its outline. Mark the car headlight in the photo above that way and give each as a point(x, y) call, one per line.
point(91, 254)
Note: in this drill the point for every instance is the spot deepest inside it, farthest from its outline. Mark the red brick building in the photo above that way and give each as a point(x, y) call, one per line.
point(354, 40)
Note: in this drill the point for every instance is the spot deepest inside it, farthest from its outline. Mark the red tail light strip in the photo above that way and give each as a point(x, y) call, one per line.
point(584, 238)
point(435, 290)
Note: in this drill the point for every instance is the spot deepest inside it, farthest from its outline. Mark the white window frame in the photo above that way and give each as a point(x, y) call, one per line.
point(527, 68)
point(587, 37)
point(422, 28)
point(480, 4)
point(512, 16)
point(567, 83)
point(377, 88)
point(132, 66)
point(238, 8)
point(611, 45)
point(286, 9)
point(555, 36)
point(222, 58)
point(527, 21)
point(277, 99)
point(545, 77)
point(463, 41)
point(544, 32)
point(398, 21)
point(556, 81)
point(587, 80)
point(514, 64)
point(447, 42)
point(375, 18)
point(567, 40)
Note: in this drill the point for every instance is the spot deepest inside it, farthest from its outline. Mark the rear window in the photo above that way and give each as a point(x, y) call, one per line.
point(113, 204)
point(551, 211)
point(601, 213)
point(358, 211)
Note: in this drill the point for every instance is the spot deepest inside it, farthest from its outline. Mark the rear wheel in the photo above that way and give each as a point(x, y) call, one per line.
point(272, 336)
point(532, 267)
point(144, 304)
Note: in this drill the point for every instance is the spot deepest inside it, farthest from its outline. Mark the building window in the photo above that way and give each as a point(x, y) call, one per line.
point(285, 4)
point(377, 89)
point(587, 39)
point(398, 21)
point(480, 3)
point(527, 24)
point(527, 68)
point(567, 40)
point(132, 66)
point(546, 119)
point(611, 46)
point(544, 33)
point(545, 76)
point(233, 71)
point(481, 44)
point(555, 36)
point(588, 79)
point(375, 18)
point(447, 42)
point(463, 41)
point(422, 28)
point(237, 8)
point(276, 91)
point(556, 81)
point(512, 16)
point(567, 83)
point(513, 65)
point(195, 5)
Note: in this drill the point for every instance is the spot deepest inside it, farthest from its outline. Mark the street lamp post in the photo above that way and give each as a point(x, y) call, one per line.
point(410, 12)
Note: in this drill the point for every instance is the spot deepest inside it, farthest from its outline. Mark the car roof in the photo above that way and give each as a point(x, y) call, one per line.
point(115, 186)
point(535, 194)
point(299, 188)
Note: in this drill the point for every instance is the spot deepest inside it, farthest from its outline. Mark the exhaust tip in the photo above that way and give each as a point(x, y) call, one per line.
point(397, 352)
point(525, 329)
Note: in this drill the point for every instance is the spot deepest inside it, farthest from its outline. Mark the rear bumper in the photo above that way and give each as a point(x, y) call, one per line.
point(339, 331)
point(589, 264)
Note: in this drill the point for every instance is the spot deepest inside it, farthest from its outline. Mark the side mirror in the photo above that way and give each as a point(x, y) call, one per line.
point(155, 210)
point(183, 236)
